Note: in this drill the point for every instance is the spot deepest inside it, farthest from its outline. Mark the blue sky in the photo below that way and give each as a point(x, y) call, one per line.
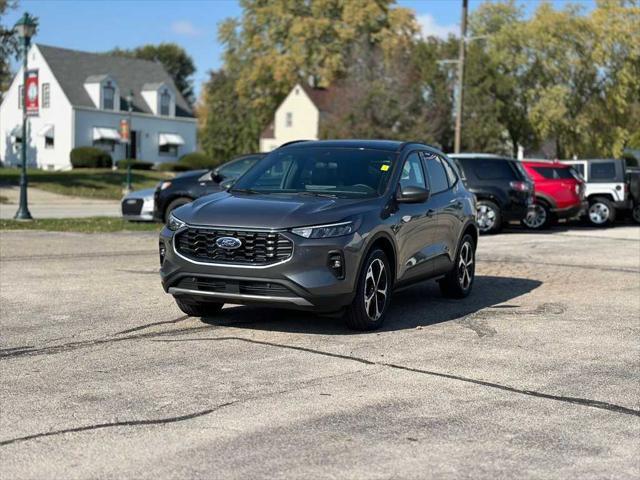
point(99, 25)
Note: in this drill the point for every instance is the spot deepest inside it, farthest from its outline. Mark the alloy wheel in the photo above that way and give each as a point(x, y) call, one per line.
point(537, 218)
point(465, 266)
point(599, 213)
point(486, 218)
point(375, 289)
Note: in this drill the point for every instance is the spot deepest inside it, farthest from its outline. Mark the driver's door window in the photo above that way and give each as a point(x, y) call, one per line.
point(412, 173)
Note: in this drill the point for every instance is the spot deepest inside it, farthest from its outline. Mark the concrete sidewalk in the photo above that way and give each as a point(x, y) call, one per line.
point(52, 205)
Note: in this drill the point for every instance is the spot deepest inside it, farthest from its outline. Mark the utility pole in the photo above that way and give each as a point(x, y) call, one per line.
point(463, 41)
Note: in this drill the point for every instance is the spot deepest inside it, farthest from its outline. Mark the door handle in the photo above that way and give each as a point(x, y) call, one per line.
point(430, 213)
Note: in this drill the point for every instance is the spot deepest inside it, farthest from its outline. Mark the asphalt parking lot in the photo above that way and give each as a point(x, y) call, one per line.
point(535, 375)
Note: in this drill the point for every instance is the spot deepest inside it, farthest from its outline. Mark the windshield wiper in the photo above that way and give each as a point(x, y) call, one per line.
point(317, 194)
point(245, 190)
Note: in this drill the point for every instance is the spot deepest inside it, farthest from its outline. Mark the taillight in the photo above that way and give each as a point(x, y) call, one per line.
point(521, 186)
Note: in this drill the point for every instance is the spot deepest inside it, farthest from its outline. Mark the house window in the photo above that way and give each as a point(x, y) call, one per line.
point(20, 96)
point(108, 97)
point(45, 95)
point(289, 119)
point(48, 142)
point(168, 150)
point(165, 103)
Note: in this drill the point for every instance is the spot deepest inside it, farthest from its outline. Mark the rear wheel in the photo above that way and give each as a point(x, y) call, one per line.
point(197, 308)
point(459, 281)
point(488, 216)
point(369, 307)
point(635, 213)
point(601, 212)
point(175, 203)
point(539, 218)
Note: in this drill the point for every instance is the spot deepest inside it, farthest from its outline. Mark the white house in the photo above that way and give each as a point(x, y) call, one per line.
point(298, 117)
point(82, 102)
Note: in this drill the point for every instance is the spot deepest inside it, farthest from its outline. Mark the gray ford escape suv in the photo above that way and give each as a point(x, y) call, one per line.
point(326, 226)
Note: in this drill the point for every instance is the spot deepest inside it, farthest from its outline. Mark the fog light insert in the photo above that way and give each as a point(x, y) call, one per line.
point(336, 264)
point(163, 250)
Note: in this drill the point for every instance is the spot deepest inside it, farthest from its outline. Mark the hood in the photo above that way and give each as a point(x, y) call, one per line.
point(190, 175)
point(274, 211)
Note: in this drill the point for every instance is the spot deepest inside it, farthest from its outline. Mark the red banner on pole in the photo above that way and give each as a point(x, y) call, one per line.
point(31, 93)
point(124, 131)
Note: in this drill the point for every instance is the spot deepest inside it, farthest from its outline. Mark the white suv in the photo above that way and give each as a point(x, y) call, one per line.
point(606, 188)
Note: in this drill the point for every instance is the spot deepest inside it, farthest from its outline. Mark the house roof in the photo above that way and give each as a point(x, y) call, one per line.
point(322, 98)
point(72, 68)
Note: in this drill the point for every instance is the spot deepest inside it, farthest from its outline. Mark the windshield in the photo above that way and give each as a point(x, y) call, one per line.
point(340, 172)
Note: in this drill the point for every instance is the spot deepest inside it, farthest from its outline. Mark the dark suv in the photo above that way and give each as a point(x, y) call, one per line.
point(503, 189)
point(325, 226)
point(188, 186)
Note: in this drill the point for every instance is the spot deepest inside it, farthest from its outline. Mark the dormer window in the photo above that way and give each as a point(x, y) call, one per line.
point(108, 97)
point(165, 103)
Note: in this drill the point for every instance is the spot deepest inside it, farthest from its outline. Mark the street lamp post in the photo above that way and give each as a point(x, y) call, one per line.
point(463, 39)
point(129, 109)
point(26, 28)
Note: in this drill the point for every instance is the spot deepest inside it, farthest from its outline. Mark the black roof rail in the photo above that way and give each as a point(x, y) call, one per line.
point(292, 142)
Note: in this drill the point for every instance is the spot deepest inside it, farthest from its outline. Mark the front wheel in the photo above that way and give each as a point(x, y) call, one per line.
point(369, 307)
point(459, 281)
point(197, 308)
point(539, 218)
point(601, 212)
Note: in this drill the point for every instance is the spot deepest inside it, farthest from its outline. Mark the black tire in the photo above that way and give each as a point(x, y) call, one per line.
point(540, 218)
point(369, 307)
point(489, 217)
point(635, 213)
point(196, 308)
point(175, 203)
point(602, 212)
point(458, 283)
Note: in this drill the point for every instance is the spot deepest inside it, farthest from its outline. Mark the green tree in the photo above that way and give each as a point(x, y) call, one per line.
point(8, 47)
point(176, 61)
point(227, 124)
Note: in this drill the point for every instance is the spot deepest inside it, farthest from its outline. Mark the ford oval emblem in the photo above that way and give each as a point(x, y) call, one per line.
point(228, 243)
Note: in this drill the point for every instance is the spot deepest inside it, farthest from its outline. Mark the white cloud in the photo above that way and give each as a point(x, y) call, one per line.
point(185, 28)
point(431, 28)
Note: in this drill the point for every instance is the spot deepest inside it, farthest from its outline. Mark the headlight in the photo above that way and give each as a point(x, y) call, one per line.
point(164, 185)
point(325, 231)
point(174, 224)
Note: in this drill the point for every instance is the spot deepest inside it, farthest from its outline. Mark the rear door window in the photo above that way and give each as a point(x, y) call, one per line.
point(603, 171)
point(554, 173)
point(486, 169)
point(437, 175)
point(451, 172)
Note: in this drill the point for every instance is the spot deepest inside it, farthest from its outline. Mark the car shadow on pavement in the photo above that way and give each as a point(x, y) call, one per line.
point(418, 306)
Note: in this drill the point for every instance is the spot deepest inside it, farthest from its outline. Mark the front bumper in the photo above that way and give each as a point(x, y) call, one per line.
point(304, 281)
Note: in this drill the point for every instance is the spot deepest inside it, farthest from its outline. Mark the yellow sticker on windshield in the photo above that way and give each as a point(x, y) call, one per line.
point(384, 168)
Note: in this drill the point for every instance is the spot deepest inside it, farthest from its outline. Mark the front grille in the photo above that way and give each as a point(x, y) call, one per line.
point(132, 206)
point(246, 287)
point(257, 248)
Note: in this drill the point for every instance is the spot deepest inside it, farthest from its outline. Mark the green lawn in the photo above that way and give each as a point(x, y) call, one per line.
point(83, 225)
point(90, 183)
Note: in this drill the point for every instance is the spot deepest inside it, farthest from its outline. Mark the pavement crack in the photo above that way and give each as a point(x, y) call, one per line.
point(128, 423)
point(600, 268)
point(533, 393)
point(66, 347)
point(149, 325)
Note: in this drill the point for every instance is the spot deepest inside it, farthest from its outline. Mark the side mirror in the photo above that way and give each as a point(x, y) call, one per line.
point(412, 194)
point(216, 177)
